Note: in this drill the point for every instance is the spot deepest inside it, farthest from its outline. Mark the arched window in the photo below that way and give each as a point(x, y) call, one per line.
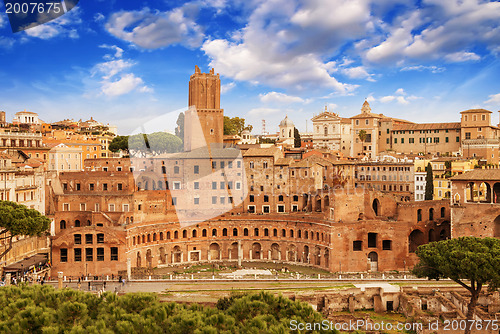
point(256, 232)
point(194, 233)
point(133, 240)
point(143, 238)
point(168, 235)
point(235, 232)
point(291, 233)
point(161, 235)
point(283, 233)
point(149, 237)
point(154, 236)
point(214, 232)
point(204, 232)
point(280, 198)
point(176, 234)
point(443, 212)
point(275, 232)
point(419, 215)
point(245, 232)
point(224, 232)
point(77, 223)
point(266, 232)
point(431, 214)
point(62, 225)
point(184, 234)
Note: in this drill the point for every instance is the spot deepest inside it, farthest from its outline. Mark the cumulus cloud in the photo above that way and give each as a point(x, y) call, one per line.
point(462, 56)
point(275, 97)
point(437, 30)
point(153, 29)
point(400, 96)
point(493, 100)
point(116, 79)
point(227, 87)
point(358, 72)
point(275, 50)
point(63, 26)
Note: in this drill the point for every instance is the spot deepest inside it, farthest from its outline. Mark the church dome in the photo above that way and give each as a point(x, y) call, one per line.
point(286, 123)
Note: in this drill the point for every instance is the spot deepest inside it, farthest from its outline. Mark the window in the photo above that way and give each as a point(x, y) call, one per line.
point(91, 186)
point(77, 223)
point(266, 232)
point(419, 215)
point(256, 232)
point(214, 164)
point(78, 186)
point(89, 254)
point(222, 185)
point(197, 169)
point(120, 186)
point(214, 185)
point(62, 225)
point(357, 245)
point(111, 207)
point(372, 240)
point(266, 198)
point(104, 186)
point(176, 170)
point(458, 139)
point(197, 185)
point(114, 253)
point(78, 239)
point(196, 200)
point(214, 232)
point(64, 255)
point(214, 199)
point(386, 244)
point(100, 238)
point(100, 254)
point(78, 254)
point(245, 232)
point(222, 165)
point(467, 135)
point(235, 232)
point(88, 238)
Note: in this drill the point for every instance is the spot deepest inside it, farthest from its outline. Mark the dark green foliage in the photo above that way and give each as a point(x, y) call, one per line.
point(296, 138)
point(119, 143)
point(429, 183)
point(465, 259)
point(156, 143)
point(235, 125)
point(42, 309)
point(17, 219)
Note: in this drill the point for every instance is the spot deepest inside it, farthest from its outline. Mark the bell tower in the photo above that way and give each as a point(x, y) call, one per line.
point(204, 120)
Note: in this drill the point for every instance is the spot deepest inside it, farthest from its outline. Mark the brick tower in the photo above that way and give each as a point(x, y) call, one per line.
point(204, 121)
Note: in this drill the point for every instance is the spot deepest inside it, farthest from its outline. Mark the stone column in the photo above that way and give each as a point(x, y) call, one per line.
point(240, 253)
point(60, 280)
point(8, 277)
point(129, 269)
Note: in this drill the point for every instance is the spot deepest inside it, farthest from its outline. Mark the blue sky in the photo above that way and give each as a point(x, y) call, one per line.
point(127, 62)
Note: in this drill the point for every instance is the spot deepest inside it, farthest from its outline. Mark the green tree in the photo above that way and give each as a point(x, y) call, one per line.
point(119, 143)
point(362, 136)
point(179, 129)
point(17, 220)
point(297, 142)
point(235, 125)
point(156, 143)
point(429, 183)
point(472, 259)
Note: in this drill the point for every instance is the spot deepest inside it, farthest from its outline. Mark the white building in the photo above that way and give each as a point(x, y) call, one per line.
point(65, 159)
point(420, 185)
point(330, 131)
point(26, 117)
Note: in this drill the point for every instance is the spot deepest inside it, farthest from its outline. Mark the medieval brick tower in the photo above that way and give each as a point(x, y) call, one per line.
point(204, 120)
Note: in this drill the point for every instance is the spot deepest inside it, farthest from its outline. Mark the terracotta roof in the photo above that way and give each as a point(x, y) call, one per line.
point(479, 175)
point(284, 161)
point(475, 111)
point(262, 152)
point(427, 126)
point(368, 115)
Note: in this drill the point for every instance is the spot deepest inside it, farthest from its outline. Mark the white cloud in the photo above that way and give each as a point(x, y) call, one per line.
point(126, 84)
point(400, 96)
point(493, 100)
point(153, 29)
point(263, 111)
point(274, 50)
point(358, 72)
point(115, 76)
point(462, 56)
point(227, 87)
point(63, 26)
point(98, 17)
point(433, 69)
point(118, 51)
point(275, 97)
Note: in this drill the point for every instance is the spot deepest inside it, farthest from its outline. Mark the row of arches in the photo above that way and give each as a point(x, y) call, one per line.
point(254, 251)
point(431, 214)
point(169, 236)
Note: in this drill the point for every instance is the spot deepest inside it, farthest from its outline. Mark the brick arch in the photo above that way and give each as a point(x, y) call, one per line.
point(496, 231)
